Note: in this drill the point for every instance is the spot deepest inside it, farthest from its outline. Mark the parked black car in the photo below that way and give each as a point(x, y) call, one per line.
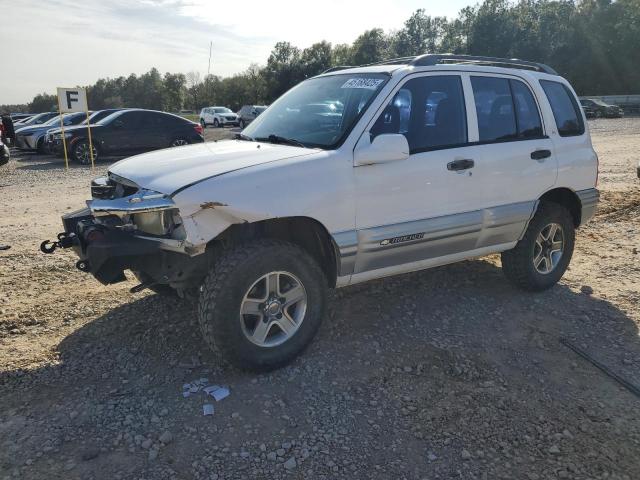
point(53, 142)
point(594, 108)
point(130, 131)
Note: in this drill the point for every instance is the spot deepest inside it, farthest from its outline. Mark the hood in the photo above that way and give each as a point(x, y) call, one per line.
point(171, 169)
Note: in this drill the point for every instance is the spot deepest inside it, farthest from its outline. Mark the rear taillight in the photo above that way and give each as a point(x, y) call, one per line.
point(198, 128)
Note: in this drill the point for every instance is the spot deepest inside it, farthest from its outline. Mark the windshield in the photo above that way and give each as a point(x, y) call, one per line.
point(222, 110)
point(319, 112)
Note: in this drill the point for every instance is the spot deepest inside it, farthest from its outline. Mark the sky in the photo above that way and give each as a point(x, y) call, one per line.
point(64, 43)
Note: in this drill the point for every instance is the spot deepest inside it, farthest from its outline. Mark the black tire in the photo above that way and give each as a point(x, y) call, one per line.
point(241, 124)
point(203, 123)
point(223, 290)
point(216, 124)
point(518, 263)
point(77, 152)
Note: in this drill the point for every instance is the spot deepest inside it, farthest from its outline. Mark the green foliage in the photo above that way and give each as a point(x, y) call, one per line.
point(593, 43)
point(43, 102)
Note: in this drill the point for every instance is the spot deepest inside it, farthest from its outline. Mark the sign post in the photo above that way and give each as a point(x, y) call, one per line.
point(74, 100)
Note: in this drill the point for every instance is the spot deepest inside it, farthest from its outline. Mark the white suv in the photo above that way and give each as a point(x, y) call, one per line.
point(218, 117)
point(352, 175)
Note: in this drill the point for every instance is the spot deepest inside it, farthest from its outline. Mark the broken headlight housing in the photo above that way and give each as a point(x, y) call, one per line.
point(145, 211)
point(159, 223)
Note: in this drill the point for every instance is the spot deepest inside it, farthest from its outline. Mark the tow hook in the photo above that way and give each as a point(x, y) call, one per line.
point(83, 266)
point(64, 241)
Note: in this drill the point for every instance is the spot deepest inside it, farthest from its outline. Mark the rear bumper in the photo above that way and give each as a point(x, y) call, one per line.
point(589, 199)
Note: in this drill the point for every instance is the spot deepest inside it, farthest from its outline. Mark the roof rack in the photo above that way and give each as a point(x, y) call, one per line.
point(431, 59)
point(338, 67)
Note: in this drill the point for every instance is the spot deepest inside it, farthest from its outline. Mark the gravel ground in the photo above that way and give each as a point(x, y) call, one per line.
point(446, 373)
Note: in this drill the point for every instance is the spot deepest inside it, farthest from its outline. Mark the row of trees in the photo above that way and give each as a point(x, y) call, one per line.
point(594, 43)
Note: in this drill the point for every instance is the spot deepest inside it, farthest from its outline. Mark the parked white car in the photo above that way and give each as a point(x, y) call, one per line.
point(353, 175)
point(218, 117)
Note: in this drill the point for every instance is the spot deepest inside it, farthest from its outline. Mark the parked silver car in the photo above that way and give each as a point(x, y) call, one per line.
point(248, 114)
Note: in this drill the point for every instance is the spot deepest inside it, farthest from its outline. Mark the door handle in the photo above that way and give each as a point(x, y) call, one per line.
point(540, 154)
point(458, 165)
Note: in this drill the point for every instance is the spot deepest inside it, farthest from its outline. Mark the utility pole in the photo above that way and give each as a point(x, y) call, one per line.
point(209, 67)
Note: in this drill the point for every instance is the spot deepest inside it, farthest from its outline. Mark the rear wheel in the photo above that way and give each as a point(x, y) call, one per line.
point(262, 304)
point(179, 142)
point(203, 123)
point(80, 152)
point(241, 124)
point(541, 257)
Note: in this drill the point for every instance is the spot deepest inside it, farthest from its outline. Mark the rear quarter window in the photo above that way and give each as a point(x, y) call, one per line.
point(565, 108)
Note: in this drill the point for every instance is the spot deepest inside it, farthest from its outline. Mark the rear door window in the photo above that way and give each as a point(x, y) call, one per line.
point(131, 120)
point(429, 111)
point(527, 114)
point(565, 108)
point(494, 107)
point(506, 110)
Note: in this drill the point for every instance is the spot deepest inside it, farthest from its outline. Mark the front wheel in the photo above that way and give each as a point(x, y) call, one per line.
point(262, 304)
point(81, 152)
point(216, 124)
point(541, 257)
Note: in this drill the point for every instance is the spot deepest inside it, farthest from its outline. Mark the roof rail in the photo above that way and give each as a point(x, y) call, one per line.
point(336, 68)
point(391, 61)
point(431, 59)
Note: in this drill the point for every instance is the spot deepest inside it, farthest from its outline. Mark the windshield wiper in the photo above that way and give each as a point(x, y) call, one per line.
point(278, 139)
point(242, 136)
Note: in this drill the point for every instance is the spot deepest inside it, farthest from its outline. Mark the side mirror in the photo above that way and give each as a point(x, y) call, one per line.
point(387, 147)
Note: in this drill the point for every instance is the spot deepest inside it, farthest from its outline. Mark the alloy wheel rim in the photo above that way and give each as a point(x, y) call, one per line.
point(83, 153)
point(548, 248)
point(273, 309)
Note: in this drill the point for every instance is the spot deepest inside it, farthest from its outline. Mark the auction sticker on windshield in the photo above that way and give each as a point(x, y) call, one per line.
point(368, 83)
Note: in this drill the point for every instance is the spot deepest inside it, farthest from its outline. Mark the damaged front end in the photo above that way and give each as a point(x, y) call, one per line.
point(125, 227)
